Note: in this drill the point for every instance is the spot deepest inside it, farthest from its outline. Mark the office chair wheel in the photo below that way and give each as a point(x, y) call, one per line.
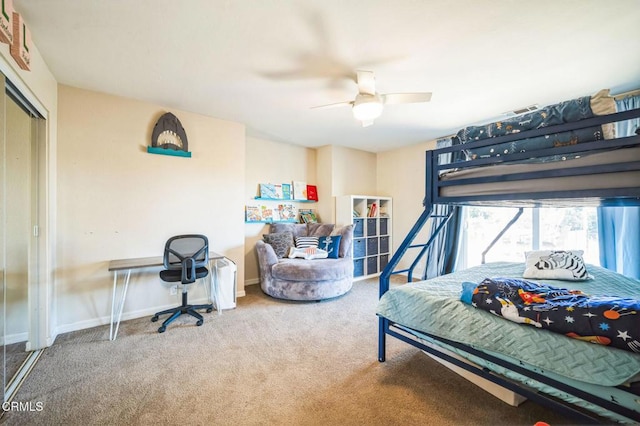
point(154, 318)
point(199, 323)
point(162, 329)
point(209, 310)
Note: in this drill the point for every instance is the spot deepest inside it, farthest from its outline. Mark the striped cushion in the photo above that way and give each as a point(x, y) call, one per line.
point(304, 242)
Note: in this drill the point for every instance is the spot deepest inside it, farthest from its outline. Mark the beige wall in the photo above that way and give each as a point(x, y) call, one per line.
point(325, 167)
point(335, 170)
point(117, 201)
point(354, 172)
point(401, 175)
point(343, 171)
point(109, 199)
point(273, 162)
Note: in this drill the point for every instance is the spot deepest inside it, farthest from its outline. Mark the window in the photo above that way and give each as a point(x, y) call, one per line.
point(537, 229)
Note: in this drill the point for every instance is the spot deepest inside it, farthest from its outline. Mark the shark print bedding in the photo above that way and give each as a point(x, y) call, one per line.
point(604, 320)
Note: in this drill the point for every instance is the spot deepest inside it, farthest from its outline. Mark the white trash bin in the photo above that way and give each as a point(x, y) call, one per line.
point(225, 277)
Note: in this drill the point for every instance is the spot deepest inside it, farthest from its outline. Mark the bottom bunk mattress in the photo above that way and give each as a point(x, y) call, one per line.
point(434, 307)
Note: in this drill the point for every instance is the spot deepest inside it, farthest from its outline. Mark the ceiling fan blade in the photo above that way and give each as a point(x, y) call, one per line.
point(366, 82)
point(406, 98)
point(339, 104)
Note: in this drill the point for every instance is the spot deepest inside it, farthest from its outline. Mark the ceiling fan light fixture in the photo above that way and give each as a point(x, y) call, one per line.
point(367, 107)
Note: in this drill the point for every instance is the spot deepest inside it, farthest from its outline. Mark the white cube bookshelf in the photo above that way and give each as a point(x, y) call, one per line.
point(372, 244)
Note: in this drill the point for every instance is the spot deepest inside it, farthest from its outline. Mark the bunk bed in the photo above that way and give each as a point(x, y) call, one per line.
point(567, 162)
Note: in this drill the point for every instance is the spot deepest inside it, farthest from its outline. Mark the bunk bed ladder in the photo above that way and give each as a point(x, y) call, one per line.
point(389, 270)
point(408, 243)
point(429, 203)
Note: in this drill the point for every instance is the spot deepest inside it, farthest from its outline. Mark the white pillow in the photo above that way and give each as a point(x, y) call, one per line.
point(305, 253)
point(556, 265)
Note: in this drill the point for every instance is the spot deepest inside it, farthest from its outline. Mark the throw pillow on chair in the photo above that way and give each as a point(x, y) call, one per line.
point(307, 253)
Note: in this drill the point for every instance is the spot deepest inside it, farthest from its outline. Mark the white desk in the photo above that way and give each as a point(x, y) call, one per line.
point(128, 265)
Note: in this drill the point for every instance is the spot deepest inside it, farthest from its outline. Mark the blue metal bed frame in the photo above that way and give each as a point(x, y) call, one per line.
point(598, 197)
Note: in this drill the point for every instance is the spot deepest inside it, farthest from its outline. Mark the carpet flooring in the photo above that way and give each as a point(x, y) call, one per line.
point(266, 362)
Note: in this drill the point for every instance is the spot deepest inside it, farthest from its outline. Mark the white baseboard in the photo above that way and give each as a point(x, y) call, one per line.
point(10, 339)
point(105, 320)
point(252, 281)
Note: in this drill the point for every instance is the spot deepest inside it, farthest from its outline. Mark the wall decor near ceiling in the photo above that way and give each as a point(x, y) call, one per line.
point(169, 138)
point(21, 43)
point(6, 27)
point(15, 33)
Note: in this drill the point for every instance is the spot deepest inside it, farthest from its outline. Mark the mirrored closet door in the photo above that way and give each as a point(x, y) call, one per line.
point(19, 174)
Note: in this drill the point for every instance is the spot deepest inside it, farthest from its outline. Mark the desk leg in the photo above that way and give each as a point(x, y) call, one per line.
point(113, 303)
point(114, 333)
point(214, 284)
point(208, 285)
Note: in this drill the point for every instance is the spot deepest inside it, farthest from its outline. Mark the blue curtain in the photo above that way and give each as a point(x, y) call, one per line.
point(619, 227)
point(441, 256)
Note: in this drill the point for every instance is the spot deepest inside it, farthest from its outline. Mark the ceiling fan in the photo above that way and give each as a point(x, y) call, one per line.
point(368, 104)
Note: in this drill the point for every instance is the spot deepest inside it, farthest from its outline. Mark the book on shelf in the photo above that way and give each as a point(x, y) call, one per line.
point(267, 190)
point(253, 213)
point(277, 191)
point(312, 192)
point(308, 216)
point(267, 213)
point(372, 210)
point(299, 190)
point(287, 211)
point(286, 191)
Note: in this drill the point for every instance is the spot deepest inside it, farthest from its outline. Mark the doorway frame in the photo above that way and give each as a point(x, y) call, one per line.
point(41, 331)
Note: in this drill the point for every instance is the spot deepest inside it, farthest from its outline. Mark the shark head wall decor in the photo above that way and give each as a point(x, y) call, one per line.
point(168, 137)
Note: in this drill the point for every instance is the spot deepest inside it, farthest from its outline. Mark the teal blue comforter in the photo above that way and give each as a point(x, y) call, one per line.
point(434, 307)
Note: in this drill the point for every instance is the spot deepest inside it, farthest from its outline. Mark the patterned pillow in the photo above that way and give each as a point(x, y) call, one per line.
point(330, 244)
point(304, 242)
point(556, 265)
point(280, 241)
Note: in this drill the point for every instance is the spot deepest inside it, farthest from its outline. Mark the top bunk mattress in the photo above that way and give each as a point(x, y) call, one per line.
point(467, 186)
point(434, 307)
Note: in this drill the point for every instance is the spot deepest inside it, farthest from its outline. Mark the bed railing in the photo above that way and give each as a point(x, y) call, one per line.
point(436, 165)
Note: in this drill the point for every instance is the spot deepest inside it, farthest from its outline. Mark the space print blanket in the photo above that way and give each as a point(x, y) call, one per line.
point(604, 320)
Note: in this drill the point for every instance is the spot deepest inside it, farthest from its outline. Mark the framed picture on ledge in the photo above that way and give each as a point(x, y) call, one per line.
point(312, 193)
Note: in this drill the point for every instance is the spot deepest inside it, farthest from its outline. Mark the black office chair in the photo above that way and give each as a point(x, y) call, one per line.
point(185, 261)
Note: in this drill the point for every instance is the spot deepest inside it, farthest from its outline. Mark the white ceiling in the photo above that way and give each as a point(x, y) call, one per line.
point(265, 63)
